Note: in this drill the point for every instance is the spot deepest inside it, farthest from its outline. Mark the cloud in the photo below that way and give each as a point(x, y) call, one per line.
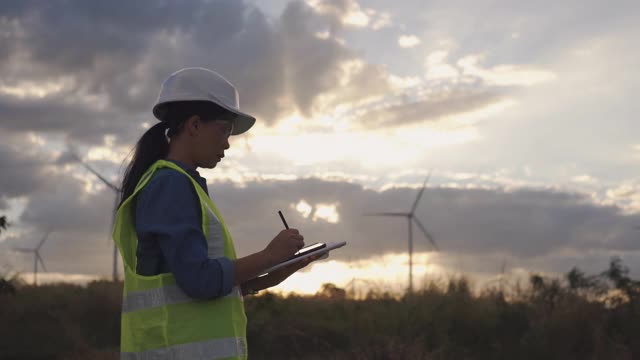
point(541, 34)
point(22, 172)
point(526, 225)
point(408, 41)
point(453, 99)
point(504, 75)
point(280, 66)
point(350, 13)
point(66, 205)
point(448, 89)
point(324, 72)
point(437, 67)
point(115, 57)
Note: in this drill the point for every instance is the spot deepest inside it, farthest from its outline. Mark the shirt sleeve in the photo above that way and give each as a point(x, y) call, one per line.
point(168, 210)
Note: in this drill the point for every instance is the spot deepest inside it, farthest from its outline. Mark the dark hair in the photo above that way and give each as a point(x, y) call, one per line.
point(154, 143)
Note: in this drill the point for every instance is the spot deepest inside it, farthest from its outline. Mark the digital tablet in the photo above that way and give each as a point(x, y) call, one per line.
point(316, 249)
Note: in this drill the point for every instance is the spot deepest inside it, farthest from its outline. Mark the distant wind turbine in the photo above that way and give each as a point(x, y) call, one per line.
point(411, 218)
point(115, 204)
point(36, 257)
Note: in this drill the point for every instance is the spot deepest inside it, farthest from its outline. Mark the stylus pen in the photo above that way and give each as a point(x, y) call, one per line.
point(283, 220)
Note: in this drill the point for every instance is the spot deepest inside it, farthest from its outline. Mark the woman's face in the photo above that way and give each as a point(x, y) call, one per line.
point(210, 140)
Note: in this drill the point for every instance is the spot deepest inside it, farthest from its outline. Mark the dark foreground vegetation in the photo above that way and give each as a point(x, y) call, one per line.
point(574, 317)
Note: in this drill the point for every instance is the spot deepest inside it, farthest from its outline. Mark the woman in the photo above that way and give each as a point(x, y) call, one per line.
point(184, 285)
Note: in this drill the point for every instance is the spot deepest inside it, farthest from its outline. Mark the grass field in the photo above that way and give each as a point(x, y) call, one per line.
point(574, 317)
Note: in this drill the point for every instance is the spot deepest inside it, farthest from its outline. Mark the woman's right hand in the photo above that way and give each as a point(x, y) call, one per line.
point(284, 245)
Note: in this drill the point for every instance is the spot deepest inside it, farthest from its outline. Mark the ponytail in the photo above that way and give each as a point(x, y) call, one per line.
point(151, 147)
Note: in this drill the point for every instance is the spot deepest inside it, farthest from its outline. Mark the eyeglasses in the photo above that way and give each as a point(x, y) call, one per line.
point(228, 127)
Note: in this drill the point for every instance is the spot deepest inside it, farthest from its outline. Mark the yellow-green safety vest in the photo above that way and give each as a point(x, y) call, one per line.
point(159, 321)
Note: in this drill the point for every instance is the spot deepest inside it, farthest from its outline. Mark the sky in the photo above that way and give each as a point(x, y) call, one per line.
point(524, 114)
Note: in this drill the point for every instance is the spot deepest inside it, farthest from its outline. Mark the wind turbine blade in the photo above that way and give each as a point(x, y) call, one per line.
point(91, 170)
point(105, 181)
point(415, 204)
point(44, 238)
point(426, 233)
point(23, 250)
point(41, 262)
point(386, 214)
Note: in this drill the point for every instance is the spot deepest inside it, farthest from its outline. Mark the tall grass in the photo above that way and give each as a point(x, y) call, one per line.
point(61, 321)
point(595, 317)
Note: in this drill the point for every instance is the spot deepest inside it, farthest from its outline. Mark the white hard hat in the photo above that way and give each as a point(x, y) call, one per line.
point(202, 84)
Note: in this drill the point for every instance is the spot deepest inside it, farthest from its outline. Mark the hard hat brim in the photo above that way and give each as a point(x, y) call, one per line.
point(242, 123)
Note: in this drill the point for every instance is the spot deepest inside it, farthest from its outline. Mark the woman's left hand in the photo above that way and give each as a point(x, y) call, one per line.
point(276, 277)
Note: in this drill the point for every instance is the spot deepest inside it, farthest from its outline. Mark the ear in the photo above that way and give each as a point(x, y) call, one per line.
point(192, 124)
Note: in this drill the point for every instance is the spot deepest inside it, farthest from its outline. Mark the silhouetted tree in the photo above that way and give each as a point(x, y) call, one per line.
point(6, 287)
point(3, 223)
point(546, 292)
point(588, 286)
point(332, 291)
point(618, 274)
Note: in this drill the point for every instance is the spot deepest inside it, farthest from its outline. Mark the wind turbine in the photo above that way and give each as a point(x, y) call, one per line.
point(410, 220)
point(115, 205)
point(36, 257)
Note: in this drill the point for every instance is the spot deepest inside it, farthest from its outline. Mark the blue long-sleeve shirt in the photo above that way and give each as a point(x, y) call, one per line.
point(170, 238)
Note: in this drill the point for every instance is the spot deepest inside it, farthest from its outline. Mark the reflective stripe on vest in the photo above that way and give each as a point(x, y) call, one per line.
point(211, 349)
point(166, 295)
